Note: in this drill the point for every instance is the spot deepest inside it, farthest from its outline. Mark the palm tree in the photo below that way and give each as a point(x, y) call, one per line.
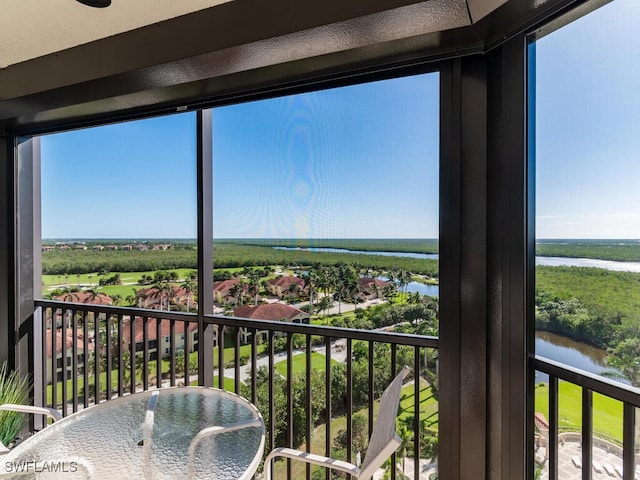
point(405, 440)
point(235, 292)
point(309, 279)
point(292, 290)
point(189, 287)
point(254, 285)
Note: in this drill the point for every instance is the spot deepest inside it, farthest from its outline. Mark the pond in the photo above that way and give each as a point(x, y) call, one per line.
point(568, 351)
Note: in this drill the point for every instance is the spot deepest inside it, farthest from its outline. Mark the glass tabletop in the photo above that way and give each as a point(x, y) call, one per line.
point(181, 432)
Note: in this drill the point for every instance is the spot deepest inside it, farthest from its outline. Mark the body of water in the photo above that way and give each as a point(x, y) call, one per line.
point(570, 352)
point(543, 261)
point(431, 256)
point(589, 262)
point(422, 289)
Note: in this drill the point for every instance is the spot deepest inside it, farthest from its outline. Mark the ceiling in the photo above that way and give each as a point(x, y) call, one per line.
point(33, 28)
point(63, 63)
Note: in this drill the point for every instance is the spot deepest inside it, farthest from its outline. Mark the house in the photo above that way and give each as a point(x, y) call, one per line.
point(85, 297)
point(269, 311)
point(111, 247)
point(227, 292)
point(80, 247)
point(154, 297)
point(285, 286)
point(191, 343)
point(66, 345)
point(370, 288)
point(48, 248)
point(127, 247)
point(158, 62)
point(98, 247)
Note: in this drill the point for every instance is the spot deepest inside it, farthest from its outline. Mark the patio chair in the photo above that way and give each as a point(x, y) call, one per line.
point(383, 442)
point(50, 412)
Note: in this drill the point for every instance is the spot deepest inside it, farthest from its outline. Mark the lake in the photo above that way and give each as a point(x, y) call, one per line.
point(542, 261)
point(566, 350)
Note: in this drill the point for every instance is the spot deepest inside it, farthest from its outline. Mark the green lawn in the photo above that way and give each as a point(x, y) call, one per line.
point(318, 362)
point(245, 351)
point(428, 409)
point(607, 413)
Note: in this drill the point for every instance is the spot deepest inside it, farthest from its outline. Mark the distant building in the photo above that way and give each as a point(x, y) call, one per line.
point(85, 297)
point(191, 345)
point(222, 291)
point(66, 346)
point(48, 248)
point(111, 247)
point(370, 288)
point(127, 247)
point(97, 247)
point(269, 311)
point(281, 286)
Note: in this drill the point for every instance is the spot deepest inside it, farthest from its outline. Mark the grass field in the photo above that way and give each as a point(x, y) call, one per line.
point(229, 355)
point(607, 413)
point(299, 364)
point(428, 409)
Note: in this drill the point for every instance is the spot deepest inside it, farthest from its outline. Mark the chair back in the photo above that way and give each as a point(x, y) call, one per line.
point(384, 438)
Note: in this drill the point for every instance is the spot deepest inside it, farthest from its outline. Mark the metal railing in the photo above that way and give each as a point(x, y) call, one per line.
point(103, 352)
point(589, 384)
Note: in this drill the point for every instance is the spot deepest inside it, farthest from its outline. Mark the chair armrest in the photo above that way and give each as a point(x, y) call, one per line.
point(50, 412)
point(216, 430)
point(308, 458)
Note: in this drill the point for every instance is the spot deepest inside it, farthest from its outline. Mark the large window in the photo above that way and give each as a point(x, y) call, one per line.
point(119, 214)
point(328, 201)
point(587, 118)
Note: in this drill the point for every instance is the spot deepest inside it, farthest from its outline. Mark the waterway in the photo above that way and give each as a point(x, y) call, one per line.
point(565, 350)
point(544, 261)
point(549, 345)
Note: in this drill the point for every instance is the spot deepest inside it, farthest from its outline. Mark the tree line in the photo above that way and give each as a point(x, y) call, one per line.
point(225, 255)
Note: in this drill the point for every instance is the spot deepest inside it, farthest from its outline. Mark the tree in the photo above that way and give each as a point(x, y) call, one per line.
point(624, 358)
point(189, 287)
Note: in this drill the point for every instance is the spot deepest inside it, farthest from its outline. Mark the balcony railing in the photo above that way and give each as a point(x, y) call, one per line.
point(103, 352)
point(583, 464)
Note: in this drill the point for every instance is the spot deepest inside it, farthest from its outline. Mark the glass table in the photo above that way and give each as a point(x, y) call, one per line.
point(171, 433)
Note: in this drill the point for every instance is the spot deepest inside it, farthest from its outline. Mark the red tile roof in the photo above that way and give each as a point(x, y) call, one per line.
point(284, 282)
point(165, 329)
point(85, 297)
point(269, 311)
point(78, 337)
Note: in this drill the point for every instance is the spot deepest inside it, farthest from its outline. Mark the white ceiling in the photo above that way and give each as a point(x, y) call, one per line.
point(34, 28)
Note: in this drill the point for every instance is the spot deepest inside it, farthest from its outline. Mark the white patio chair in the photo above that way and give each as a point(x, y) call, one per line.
point(49, 412)
point(383, 442)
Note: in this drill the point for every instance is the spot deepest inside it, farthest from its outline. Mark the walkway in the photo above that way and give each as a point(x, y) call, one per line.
point(606, 465)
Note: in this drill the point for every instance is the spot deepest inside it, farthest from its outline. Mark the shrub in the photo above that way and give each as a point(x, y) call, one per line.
point(13, 389)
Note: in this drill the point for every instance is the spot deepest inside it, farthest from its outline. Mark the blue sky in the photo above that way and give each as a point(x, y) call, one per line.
point(588, 126)
point(362, 161)
point(353, 162)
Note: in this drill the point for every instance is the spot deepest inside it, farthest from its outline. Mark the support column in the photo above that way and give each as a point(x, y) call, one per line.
point(6, 252)
point(463, 320)
point(510, 260)
point(205, 246)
